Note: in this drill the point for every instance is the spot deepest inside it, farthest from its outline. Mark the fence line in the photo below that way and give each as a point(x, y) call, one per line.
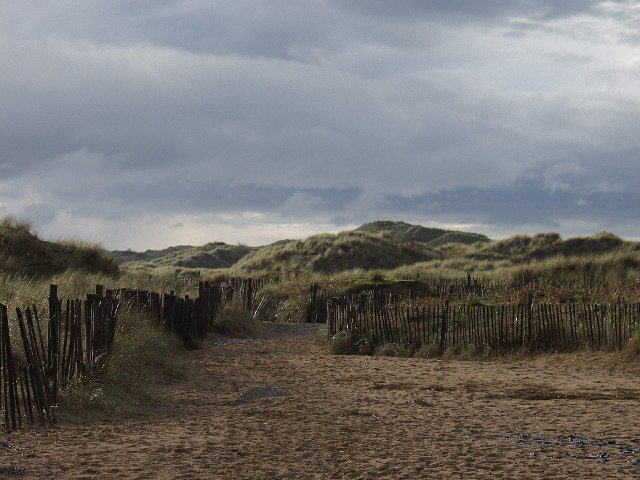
point(193, 319)
point(541, 327)
point(33, 369)
point(79, 335)
point(429, 289)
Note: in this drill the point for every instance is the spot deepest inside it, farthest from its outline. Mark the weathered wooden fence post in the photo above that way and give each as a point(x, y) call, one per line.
point(444, 326)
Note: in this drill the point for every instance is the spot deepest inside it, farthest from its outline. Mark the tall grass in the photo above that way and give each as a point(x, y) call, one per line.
point(143, 354)
point(88, 256)
point(23, 253)
point(235, 321)
point(144, 357)
point(331, 253)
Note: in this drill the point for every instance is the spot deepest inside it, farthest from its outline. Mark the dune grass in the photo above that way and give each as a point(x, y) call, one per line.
point(601, 267)
point(235, 321)
point(330, 253)
point(401, 251)
point(22, 252)
point(144, 357)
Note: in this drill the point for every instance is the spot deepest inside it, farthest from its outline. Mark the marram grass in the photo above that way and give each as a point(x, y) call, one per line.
point(144, 356)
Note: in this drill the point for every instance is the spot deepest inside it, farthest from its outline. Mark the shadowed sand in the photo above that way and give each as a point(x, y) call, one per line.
point(282, 409)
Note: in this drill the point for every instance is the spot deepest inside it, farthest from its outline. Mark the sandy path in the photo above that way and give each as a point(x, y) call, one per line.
point(344, 417)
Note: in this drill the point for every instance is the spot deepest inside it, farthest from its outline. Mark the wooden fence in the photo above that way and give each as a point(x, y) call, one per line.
point(532, 327)
point(77, 337)
point(467, 287)
point(431, 288)
point(193, 319)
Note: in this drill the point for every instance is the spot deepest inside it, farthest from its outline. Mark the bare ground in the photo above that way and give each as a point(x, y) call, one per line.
point(282, 409)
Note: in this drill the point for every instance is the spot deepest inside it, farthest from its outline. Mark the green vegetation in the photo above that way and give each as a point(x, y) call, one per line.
point(235, 321)
point(433, 237)
point(23, 253)
point(399, 251)
point(392, 257)
point(210, 256)
point(144, 356)
point(389, 256)
point(376, 245)
point(330, 253)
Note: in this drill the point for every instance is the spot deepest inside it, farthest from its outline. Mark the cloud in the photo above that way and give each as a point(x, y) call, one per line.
point(517, 208)
point(327, 112)
point(561, 176)
point(466, 9)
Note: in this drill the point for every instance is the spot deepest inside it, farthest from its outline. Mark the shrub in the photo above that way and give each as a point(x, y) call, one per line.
point(393, 350)
point(235, 321)
point(343, 343)
point(143, 356)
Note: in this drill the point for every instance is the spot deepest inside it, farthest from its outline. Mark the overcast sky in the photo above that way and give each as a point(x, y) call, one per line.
point(149, 123)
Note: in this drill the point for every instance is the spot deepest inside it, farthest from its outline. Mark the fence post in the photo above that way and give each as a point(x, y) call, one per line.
point(53, 339)
point(444, 327)
point(311, 307)
point(249, 294)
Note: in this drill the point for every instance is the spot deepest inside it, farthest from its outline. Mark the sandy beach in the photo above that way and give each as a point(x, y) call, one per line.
point(284, 409)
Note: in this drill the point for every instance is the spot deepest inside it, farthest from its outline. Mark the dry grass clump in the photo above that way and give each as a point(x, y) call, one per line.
point(23, 253)
point(22, 291)
point(516, 246)
point(162, 281)
point(144, 356)
point(343, 343)
point(584, 271)
point(235, 321)
point(20, 248)
point(87, 256)
point(428, 350)
point(394, 350)
point(17, 238)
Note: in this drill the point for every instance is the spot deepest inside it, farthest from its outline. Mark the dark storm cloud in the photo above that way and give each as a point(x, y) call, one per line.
point(466, 9)
point(327, 112)
point(249, 27)
point(175, 196)
point(518, 206)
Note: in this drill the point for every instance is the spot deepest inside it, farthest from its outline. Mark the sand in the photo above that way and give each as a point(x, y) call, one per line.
point(283, 409)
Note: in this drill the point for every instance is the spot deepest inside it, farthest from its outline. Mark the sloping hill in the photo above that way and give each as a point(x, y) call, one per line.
point(124, 256)
point(23, 253)
point(545, 245)
point(211, 255)
point(335, 252)
point(382, 244)
point(407, 232)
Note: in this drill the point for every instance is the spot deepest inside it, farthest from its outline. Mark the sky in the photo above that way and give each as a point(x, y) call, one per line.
point(143, 124)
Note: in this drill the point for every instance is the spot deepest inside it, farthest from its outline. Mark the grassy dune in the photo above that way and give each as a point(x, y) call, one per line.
point(384, 250)
point(210, 256)
point(330, 253)
point(23, 253)
point(433, 237)
point(143, 352)
point(375, 245)
point(380, 254)
point(403, 251)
